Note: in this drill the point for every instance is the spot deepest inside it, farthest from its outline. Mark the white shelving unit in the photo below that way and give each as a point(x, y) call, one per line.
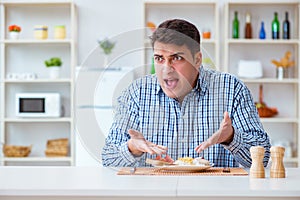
point(192, 10)
point(27, 55)
point(283, 94)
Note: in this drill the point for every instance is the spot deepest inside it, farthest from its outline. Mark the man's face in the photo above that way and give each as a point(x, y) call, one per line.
point(176, 69)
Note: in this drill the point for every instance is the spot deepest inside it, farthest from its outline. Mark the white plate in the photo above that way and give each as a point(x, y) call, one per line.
point(185, 168)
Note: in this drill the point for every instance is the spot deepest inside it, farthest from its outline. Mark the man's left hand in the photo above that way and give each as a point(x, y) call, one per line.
point(223, 135)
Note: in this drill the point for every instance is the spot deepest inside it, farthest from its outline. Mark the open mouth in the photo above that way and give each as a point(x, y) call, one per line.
point(171, 83)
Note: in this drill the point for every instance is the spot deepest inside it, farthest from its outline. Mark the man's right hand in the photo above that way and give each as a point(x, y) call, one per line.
point(138, 145)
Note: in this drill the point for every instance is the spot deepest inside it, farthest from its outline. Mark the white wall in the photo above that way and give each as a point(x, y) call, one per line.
point(102, 18)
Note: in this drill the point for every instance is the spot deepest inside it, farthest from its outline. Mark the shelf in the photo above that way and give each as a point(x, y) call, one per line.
point(279, 120)
point(61, 80)
point(26, 55)
point(35, 159)
point(33, 41)
point(260, 41)
point(40, 2)
point(29, 120)
point(285, 93)
point(290, 160)
point(261, 3)
point(194, 11)
point(178, 2)
point(272, 80)
point(147, 42)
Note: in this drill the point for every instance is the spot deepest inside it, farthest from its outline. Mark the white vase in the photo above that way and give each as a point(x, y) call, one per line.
point(14, 35)
point(54, 72)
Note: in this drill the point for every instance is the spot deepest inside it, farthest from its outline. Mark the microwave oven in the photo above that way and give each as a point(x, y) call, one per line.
point(38, 105)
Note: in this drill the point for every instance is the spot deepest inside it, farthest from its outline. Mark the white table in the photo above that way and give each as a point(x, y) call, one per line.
point(103, 183)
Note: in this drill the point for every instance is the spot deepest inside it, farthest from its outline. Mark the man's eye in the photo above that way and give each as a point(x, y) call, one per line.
point(177, 58)
point(158, 59)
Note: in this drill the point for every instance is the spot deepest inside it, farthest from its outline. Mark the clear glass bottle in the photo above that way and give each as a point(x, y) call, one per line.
point(286, 27)
point(248, 27)
point(262, 32)
point(235, 26)
point(275, 27)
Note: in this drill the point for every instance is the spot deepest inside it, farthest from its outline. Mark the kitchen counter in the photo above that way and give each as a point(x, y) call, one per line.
point(104, 183)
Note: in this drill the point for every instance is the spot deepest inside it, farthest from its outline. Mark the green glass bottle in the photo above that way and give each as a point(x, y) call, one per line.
point(275, 27)
point(152, 66)
point(235, 26)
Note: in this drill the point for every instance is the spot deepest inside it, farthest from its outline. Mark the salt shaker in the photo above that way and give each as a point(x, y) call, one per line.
point(257, 169)
point(277, 168)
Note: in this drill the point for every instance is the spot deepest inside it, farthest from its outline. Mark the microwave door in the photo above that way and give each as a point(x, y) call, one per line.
point(31, 105)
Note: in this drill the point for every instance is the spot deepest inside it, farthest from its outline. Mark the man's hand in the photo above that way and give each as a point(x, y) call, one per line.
point(138, 145)
point(223, 135)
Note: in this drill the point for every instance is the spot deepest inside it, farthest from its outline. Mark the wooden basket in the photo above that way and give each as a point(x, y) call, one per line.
point(53, 152)
point(267, 112)
point(16, 151)
point(57, 147)
point(58, 142)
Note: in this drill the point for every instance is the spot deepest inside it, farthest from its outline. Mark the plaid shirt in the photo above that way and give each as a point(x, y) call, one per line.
point(143, 106)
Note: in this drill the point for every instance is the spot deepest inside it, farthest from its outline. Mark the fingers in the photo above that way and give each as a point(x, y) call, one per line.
point(140, 144)
point(226, 119)
point(204, 145)
point(158, 149)
point(135, 134)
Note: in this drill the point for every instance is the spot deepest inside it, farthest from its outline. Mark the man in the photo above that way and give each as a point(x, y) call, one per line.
point(184, 110)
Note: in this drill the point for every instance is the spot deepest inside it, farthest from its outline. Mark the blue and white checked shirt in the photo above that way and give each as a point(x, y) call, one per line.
point(143, 106)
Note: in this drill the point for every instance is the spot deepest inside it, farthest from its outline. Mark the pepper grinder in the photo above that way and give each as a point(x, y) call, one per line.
point(277, 168)
point(257, 169)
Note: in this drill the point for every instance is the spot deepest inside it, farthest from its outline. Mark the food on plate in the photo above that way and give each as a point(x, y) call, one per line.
point(192, 161)
point(167, 159)
point(184, 161)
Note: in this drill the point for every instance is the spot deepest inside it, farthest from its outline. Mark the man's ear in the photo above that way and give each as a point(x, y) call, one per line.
point(198, 58)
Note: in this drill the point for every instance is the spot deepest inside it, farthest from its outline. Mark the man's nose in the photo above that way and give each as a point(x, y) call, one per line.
point(168, 66)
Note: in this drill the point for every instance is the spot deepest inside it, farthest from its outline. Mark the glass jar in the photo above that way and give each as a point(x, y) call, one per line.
point(40, 32)
point(60, 32)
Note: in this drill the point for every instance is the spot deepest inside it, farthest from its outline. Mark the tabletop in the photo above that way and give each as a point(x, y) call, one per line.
point(67, 182)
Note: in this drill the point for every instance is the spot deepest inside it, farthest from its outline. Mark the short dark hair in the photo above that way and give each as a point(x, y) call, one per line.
point(179, 32)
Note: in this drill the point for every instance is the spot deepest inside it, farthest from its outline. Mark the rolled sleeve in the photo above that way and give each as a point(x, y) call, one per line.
point(126, 155)
point(236, 144)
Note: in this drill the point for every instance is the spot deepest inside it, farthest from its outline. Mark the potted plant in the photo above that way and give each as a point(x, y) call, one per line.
point(54, 65)
point(106, 45)
point(14, 31)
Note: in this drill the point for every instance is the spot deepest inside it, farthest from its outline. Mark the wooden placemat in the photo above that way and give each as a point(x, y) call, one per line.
point(214, 171)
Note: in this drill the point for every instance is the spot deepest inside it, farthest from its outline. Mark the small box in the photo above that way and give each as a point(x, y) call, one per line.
point(40, 32)
point(250, 69)
point(60, 32)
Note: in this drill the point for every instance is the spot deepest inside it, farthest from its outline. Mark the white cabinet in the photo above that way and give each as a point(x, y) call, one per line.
point(26, 55)
point(283, 94)
point(204, 14)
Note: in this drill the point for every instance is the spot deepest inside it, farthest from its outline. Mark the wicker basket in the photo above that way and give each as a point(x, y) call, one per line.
point(267, 112)
point(58, 142)
point(57, 147)
point(16, 151)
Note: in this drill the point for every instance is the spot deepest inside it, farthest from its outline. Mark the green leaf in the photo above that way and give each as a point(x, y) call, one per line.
point(54, 61)
point(107, 46)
